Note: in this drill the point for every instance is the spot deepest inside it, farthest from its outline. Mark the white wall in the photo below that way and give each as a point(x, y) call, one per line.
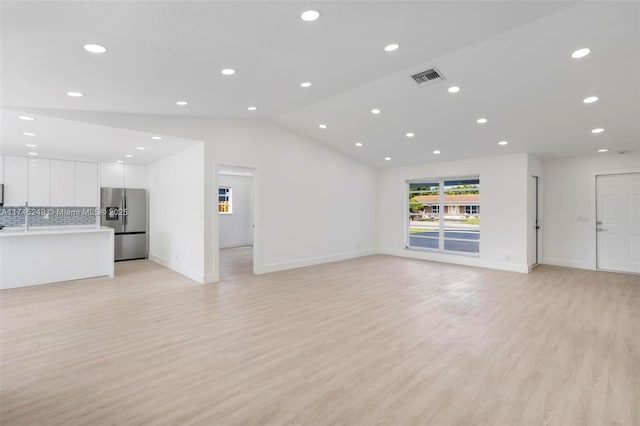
point(176, 207)
point(503, 208)
point(313, 204)
point(569, 206)
point(236, 229)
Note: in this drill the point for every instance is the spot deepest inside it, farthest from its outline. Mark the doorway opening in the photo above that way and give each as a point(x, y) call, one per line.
point(235, 221)
point(534, 222)
point(618, 222)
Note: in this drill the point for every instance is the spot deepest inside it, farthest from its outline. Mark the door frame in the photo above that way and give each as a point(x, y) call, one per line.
point(255, 207)
point(537, 224)
point(593, 211)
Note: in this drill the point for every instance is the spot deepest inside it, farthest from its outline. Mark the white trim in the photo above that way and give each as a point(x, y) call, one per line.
point(181, 269)
point(301, 263)
point(255, 216)
point(593, 256)
point(455, 259)
point(567, 263)
point(233, 245)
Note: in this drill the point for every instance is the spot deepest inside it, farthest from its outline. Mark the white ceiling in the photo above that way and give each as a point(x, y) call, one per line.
point(511, 60)
point(73, 140)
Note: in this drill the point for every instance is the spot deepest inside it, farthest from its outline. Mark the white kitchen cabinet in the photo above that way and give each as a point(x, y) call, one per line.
point(135, 176)
point(86, 185)
point(38, 184)
point(1, 168)
point(62, 183)
point(112, 175)
point(15, 180)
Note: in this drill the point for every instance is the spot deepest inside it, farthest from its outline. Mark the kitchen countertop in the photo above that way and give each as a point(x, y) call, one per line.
point(52, 230)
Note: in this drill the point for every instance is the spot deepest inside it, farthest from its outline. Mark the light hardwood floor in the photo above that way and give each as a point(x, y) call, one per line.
point(236, 262)
point(376, 340)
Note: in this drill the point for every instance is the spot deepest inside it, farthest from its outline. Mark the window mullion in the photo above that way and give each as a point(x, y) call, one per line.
point(441, 215)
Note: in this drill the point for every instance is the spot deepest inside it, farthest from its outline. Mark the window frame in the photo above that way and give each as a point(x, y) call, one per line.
point(441, 226)
point(229, 196)
point(468, 209)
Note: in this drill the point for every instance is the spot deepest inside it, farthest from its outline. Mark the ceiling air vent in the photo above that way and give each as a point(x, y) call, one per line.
point(428, 77)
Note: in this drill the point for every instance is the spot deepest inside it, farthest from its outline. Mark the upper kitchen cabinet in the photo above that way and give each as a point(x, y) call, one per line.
point(62, 183)
point(15, 180)
point(38, 183)
point(135, 176)
point(86, 184)
point(118, 175)
point(112, 175)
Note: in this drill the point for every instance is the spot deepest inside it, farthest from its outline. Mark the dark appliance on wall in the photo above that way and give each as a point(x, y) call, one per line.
point(125, 210)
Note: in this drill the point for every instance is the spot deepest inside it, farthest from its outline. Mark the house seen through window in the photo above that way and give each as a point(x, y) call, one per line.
point(444, 215)
point(224, 200)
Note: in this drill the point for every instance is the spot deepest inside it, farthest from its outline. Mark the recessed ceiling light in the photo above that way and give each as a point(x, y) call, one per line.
point(95, 48)
point(358, 143)
point(119, 161)
point(128, 155)
point(305, 84)
point(75, 94)
point(590, 99)
point(322, 126)
point(156, 138)
point(481, 121)
point(26, 118)
point(228, 71)
point(410, 135)
point(581, 53)
point(28, 134)
point(387, 158)
point(140, 148)
point(32, 153)
point(375, 111)
point(436, 152)
point(391, 47)
point(30, 145)
point(598, 130)
point(309, 15)
point(453, 89)
point(503, 143)
point(182, 103)
point(252, 108)
point(603, 150)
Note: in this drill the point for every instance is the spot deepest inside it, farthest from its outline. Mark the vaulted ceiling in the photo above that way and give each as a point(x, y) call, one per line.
point(511, 61)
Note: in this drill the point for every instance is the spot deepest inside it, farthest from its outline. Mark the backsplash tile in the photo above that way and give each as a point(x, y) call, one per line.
point(11, 217)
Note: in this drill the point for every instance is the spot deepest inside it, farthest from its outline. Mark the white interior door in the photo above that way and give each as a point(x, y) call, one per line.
point(618, 222)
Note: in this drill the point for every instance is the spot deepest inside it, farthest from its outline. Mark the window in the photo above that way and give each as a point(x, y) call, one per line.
point(224, 200)
point(457, 230)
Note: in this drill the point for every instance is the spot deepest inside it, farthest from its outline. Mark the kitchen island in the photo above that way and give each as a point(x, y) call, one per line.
point(46, 255)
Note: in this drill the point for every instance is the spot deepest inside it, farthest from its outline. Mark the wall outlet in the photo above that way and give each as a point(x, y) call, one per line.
point(507, 258)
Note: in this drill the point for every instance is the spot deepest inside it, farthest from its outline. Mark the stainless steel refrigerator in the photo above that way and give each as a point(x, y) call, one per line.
point(125, 210)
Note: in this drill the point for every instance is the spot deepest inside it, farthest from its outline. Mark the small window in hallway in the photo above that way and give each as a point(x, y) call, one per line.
point(224, 200)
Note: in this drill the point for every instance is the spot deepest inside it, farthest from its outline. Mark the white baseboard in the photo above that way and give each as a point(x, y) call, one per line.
point(457, 260)
point(567, 263)
point(233, 245)
point(274, 267)
point(181, 269)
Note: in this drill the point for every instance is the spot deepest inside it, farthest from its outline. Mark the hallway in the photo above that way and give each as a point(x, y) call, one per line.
point(236, 262)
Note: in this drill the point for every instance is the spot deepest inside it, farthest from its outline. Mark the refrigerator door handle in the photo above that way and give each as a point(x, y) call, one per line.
point(124, 209)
